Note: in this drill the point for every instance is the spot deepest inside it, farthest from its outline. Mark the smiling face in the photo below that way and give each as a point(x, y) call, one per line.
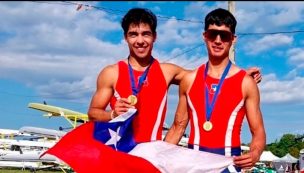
point(140, 39)
point(218, 41)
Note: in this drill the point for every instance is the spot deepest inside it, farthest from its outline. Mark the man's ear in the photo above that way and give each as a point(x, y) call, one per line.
point(155, 36)
point(234, 39)
point(203, 36)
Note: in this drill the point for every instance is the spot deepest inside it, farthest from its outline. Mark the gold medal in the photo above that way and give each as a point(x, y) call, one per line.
point(132, 99)
point(207, 126)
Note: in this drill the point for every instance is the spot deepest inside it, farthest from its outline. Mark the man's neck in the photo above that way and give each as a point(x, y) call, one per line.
point(139, 64)
point(216, 67)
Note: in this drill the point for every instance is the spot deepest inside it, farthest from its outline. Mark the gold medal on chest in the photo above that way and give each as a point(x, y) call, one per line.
point(132, 99)
point(207, 126)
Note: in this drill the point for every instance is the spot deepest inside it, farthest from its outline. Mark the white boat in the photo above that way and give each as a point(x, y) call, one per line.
point(30, 156)
point(24, 165)
point(22, 148)
point(42, 132)
point(27, 143)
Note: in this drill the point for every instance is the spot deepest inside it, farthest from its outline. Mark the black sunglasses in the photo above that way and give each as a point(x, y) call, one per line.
point(211, 35)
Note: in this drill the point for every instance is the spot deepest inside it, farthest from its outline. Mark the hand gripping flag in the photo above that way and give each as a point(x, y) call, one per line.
point(109, 147)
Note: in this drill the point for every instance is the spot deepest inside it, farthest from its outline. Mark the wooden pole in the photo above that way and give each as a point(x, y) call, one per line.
point(231, 8)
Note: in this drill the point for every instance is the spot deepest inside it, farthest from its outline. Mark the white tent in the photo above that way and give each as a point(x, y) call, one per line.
point(268, 156)
point(287, 158)
point(285, 161)
point(301, 159)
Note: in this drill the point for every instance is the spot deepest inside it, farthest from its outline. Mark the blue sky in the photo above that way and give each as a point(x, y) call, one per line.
point(52, 52)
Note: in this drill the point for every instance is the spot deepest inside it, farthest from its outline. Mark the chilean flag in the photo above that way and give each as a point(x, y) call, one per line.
point(110, 147)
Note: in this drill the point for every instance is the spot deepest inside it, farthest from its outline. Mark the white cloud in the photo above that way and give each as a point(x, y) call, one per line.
point(268, 42)
point(198, 10)
point(180, 57)
point(172, 32)
point(42, 27)
point(74, 90)
point(285, 91)
point(292, 74)
point(53, 44)
point(286, 13)
point(267, 16)
point(58, 45)
point(296, 57)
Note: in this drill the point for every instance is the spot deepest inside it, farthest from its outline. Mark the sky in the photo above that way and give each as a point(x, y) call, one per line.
point(52, 52)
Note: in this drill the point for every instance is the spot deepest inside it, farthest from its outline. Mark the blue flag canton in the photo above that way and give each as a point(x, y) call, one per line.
point(118, 135)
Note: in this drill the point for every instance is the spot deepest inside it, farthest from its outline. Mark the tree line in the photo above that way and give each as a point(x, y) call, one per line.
point(289, 143)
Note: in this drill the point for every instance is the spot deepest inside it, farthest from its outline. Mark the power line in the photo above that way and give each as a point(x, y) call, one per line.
point(184, 52)
point(190, 62)
point(120, 12)
point(107, 10)
point(271, 33)
point(116, 11)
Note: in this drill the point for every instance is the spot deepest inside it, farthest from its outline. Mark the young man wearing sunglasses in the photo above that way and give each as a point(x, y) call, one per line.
point(216, 97)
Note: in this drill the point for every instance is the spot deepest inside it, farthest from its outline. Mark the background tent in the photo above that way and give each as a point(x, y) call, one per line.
point(268, 156)
point(301, 159)
point(282, 163)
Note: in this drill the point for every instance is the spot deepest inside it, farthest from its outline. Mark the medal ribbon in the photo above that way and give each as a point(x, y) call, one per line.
point(135, 90)
point(209, 108)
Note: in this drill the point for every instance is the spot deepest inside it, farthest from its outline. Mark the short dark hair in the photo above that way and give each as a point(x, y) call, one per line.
point(137, 16)
point(221, 17)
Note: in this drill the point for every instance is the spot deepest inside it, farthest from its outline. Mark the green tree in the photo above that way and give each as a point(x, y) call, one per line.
point(288, 143)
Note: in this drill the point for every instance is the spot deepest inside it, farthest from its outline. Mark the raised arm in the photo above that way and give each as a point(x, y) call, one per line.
point(255, 121)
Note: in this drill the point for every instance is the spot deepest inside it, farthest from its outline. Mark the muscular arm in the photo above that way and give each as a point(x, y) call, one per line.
point(103, 94)
point(255, 121)
point(181, 118)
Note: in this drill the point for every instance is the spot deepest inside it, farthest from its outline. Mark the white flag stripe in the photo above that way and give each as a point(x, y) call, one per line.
point(124, 116)
point(169, 158)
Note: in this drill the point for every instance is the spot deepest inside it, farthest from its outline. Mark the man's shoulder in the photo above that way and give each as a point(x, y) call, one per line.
point(109, 70)
point(108, 74)
point(248, 82)
point(110, 67)
point(191, 74)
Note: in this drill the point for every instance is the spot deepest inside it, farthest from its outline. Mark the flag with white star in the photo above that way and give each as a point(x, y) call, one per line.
point(102, 147)
point(109, 147)
point(117, 133)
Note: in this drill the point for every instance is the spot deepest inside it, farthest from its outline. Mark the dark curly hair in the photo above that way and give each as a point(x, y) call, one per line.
point(221, 17)
point(137, 16)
